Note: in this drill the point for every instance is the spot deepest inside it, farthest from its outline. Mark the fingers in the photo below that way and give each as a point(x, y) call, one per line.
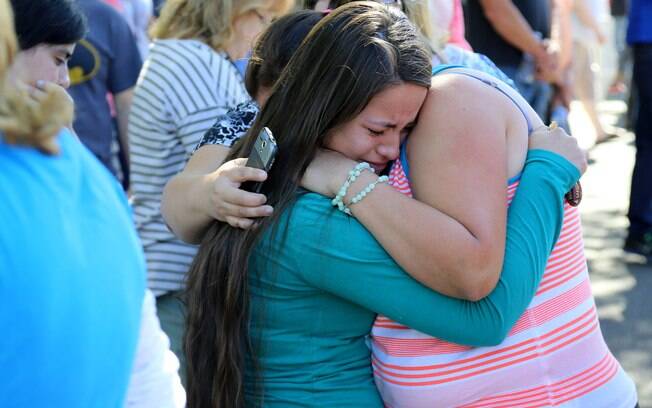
point(242, 174)
point(228, 209)
point(243, 223)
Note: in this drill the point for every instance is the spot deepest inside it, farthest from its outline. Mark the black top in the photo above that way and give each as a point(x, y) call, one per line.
point(485, 40)
point(619, 8)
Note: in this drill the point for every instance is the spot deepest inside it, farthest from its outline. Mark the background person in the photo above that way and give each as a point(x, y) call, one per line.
point(188, 80)
point(639, 36)
point(103, 71)
point(71, 309)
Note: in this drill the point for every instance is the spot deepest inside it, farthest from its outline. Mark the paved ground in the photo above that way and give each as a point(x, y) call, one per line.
point(622, 283)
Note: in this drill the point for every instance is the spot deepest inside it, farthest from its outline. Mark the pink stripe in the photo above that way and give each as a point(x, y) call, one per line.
point(534, 317)
point(555, 336)
point(604, 365)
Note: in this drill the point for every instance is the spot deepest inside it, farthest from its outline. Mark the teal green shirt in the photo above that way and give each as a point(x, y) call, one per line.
point(319, 280)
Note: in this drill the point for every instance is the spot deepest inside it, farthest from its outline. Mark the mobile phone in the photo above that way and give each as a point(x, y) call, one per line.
point(261, 157)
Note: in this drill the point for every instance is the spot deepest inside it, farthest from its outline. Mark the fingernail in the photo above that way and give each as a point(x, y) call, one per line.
point(40, 84)
point(269, 210)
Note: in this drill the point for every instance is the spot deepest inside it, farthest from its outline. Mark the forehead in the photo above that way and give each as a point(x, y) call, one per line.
point(61, 48)
point(396, 103)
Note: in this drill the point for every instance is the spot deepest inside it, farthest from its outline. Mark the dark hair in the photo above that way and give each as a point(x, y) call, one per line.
point(351, 55)
point(53, 22)
point(276, 46)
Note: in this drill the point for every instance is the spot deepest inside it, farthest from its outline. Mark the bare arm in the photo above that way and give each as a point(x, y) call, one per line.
point(207, 190)
point(458, 157)
point(561, 32)
point(453, 238)
point(584, 15)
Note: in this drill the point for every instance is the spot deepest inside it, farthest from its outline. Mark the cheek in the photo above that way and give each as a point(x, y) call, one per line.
point(354, 144)
point(43, 69)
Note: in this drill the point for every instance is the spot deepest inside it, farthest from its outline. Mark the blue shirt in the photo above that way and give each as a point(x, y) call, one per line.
point(639, 30)
point(72, 280)
point(106, 61)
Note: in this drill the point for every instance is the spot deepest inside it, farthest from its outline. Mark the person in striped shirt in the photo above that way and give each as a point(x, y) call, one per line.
point(187, 81)
point(323, 282)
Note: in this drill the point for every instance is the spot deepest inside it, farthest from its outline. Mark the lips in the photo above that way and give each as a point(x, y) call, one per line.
point(378, 167)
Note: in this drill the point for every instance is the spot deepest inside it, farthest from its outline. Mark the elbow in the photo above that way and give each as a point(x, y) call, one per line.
point(495, 336)
point(481, 277)
point(171, 221)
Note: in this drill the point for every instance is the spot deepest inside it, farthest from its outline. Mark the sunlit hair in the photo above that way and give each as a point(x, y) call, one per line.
point(420, 14)
point(23, 120)
point(351, 55)
point(210, 21)
point(276, 46)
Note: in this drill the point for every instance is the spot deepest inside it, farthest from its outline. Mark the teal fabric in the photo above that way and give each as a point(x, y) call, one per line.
point(72, 280)
point(318, 281)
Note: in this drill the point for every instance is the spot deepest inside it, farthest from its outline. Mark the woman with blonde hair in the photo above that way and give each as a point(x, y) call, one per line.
point(187, 81)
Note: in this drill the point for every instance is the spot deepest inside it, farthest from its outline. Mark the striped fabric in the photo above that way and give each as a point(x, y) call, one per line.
point(554, 356)
point(183, 87)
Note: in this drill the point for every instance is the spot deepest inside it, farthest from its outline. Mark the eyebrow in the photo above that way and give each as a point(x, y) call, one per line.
point(390, 125)
point(65, 53)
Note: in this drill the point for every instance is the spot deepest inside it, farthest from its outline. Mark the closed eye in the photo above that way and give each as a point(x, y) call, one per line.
point(375, 132)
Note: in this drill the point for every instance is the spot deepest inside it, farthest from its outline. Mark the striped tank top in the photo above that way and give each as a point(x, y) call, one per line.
point(555, 355)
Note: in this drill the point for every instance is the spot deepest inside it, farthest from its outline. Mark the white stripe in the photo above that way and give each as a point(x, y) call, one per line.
point(183, 87)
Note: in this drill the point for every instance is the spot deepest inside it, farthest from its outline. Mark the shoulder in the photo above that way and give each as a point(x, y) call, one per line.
point(459, 93)
point(231, 126)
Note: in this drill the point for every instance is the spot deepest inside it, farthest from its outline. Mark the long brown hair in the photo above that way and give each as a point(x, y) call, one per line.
point(351, 55)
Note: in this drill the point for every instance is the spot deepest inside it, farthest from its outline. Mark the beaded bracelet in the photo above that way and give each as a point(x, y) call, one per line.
point(353, 175)
point(363, 193)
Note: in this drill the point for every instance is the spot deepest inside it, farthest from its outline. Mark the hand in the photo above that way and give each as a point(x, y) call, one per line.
point(327, 172)
point(228, 203)
point(556, 140)
point(547, 65)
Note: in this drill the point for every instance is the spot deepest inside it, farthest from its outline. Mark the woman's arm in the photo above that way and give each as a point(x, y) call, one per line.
point(342, 257)
point(458, 154)
point(207, 190)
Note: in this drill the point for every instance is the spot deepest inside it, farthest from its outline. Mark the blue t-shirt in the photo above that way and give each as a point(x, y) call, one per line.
point(106, 61)
point(639, 30)
point(72, 280)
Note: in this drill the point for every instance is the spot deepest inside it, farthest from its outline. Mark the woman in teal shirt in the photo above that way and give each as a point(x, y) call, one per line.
point(279, 314)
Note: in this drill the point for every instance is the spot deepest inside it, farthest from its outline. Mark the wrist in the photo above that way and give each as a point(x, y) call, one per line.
point(340, 175)
point(365, 179)
point(204, 191)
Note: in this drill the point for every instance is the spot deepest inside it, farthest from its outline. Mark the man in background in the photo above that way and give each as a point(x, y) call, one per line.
point(103, 71)
point(514, 34)
point(639, 36)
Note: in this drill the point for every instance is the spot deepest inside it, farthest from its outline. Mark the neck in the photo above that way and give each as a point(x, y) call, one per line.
point(237, 49)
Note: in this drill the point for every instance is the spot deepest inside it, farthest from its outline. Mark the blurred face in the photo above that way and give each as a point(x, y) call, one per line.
point(376, 133)
point(44, 62)
point(247, 28)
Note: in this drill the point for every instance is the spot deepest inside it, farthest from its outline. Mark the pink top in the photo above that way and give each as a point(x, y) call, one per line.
point(555, 355)
point(456, 27)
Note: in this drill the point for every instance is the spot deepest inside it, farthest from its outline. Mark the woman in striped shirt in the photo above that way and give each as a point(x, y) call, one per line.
point(187, 81)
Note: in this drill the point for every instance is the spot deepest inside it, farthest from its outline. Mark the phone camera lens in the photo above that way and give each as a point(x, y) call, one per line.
point(263, 144)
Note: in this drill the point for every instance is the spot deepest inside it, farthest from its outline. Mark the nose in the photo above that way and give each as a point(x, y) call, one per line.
point(64, 79)
point(390, 145)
